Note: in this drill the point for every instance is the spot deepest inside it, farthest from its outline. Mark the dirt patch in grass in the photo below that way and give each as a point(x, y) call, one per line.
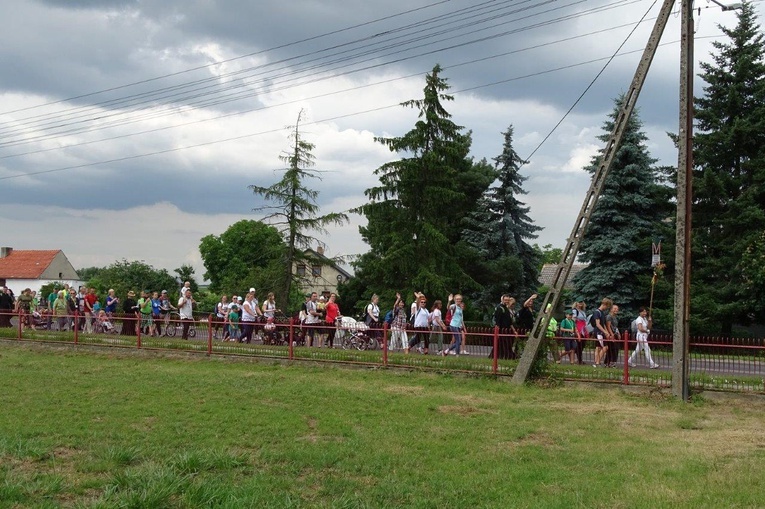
point(404, 389)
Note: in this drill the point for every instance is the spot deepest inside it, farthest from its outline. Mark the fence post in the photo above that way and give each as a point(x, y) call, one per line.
point(21, 322)
point(209, 334)
point(76, 327)
point(138, 331)
point(495, 354)
point(292, 339)
point(626, 377)
point(385, 344)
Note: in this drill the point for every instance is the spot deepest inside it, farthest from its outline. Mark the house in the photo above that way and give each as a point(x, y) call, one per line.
point(20, 269)
point(319, 273)
point(547, 274)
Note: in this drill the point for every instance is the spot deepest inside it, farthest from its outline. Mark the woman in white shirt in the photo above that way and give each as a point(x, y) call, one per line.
point(249, 316)
point(437, 326)
point(642, 340)
point(269, 306)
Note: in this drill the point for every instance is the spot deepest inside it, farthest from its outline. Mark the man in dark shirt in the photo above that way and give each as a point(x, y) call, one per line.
point(526, 315)
point(504, 318)
point(6, 307)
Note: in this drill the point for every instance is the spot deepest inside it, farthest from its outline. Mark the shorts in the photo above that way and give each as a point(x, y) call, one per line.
point(600, 341)
point(146, 320)
point(569, 344)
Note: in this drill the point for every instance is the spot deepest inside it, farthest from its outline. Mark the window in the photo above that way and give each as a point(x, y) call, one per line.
point(301, 270)
point(316, 270)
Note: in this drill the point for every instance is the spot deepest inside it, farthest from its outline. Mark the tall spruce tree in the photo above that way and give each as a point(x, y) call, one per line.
point(295, 213)
point(729, 179)
point(413, 215)
point(499, 229)
point(628, 216)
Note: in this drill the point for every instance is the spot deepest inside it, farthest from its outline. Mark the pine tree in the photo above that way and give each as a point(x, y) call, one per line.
point(729, 178)
point(499, 230)
point(414, 213)
point(628, 216)
point(295, 212)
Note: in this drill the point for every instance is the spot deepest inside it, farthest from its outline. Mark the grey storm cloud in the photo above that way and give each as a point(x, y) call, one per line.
point(162, 61)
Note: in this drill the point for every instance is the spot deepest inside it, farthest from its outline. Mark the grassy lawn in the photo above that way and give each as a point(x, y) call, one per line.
point(115, 429)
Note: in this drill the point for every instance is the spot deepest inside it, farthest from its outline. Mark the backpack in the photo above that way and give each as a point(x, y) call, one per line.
point(389, 317)
point(448, 318)
point(633, 326)
point(590, 327)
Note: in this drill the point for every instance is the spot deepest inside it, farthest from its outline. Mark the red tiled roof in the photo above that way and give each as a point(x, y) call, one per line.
point(29, 264)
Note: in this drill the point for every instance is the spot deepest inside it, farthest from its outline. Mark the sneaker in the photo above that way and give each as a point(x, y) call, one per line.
point(594, 365)
point(465, 352)
point(655, 366)
point(420, 350)
point(631, 364)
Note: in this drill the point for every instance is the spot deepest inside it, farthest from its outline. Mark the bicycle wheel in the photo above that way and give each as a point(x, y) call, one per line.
point(192, 332)
point(170, 329)
point(346, 343)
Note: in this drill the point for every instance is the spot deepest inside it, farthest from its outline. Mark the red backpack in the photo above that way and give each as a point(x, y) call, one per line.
point(448, 317)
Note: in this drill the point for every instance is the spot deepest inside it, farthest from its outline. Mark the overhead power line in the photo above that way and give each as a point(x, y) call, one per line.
point(219, 62)
point(346, 90)
point(104, 116)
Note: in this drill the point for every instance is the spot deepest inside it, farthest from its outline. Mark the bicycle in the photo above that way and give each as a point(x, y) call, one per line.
point(175, 326)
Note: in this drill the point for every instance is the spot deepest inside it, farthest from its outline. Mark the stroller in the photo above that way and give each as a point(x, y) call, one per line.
point(103, 325)
point(39, 321)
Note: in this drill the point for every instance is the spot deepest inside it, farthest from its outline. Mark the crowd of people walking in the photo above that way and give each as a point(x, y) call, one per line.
point(413, 328)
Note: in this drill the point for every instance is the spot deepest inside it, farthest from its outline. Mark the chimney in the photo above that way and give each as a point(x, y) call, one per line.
point(320, 250)
point(5, 251)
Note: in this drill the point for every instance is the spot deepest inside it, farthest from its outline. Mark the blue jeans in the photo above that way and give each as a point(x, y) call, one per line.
point(457, 332)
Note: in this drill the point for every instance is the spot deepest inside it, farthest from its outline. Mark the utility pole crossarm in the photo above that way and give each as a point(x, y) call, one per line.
point(538, 332)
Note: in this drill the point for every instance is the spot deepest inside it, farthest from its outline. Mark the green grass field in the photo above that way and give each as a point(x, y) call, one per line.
point(122, 429)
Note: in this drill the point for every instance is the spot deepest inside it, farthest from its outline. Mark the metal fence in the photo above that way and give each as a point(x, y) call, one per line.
point(716, 363)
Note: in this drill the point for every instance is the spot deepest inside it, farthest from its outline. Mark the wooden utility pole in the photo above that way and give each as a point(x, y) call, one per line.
point(537, 334)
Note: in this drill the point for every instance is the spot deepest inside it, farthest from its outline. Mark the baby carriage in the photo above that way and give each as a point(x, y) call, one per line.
point(39, 322)
point(103, 325)
point(354, 334)
point(271, 334)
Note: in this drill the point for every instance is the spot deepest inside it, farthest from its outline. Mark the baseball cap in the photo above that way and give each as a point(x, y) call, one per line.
point(164, 291)
point(252, 290)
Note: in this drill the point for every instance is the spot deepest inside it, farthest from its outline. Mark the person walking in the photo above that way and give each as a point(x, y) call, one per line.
point(421, 321)
point(612, 324)
point(642, 340)
point(580, 322)
point(567, 331)
point(249, 317)
point(186, 311)
point(504, 318)
point(455, 325)
point(130, 309)
point(598, 323)
point(398, 336)
point(437, 326)
point(312, 319)
point(332, 311)
point(60, 309)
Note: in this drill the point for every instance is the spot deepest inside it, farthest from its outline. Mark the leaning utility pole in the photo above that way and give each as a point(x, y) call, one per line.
point(680, 385)
point(568, 257)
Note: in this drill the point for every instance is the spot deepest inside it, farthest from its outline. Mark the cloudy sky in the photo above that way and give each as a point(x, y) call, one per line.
point(132, 128)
